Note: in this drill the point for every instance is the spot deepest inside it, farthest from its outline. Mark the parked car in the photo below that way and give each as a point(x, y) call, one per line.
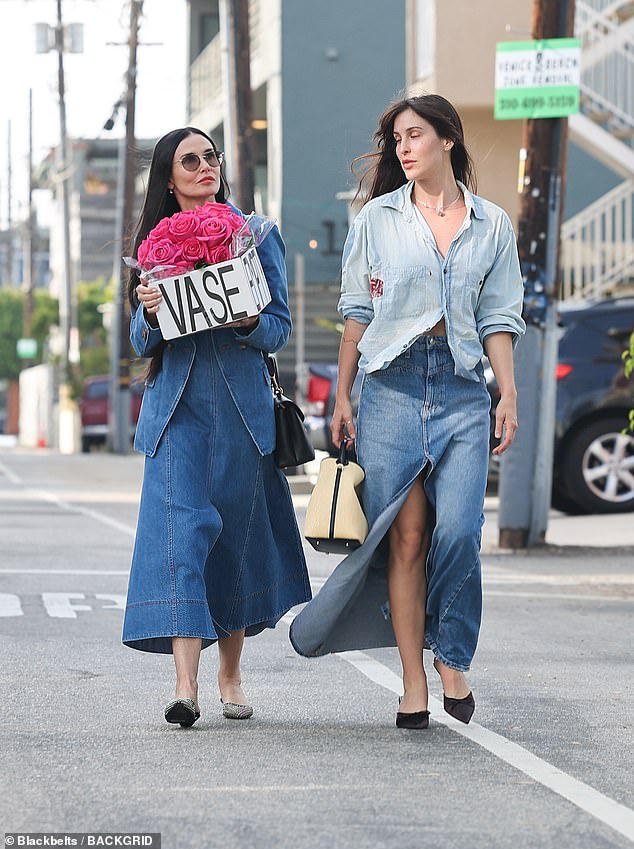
point(94, 409)
point(320, 402)
point(593, 469)
point(594, 461)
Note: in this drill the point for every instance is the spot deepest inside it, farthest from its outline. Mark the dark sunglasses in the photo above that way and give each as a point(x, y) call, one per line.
point(191, 161)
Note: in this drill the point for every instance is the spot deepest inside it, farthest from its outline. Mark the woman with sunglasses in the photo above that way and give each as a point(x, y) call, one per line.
point(217, 554)
point(430, 282)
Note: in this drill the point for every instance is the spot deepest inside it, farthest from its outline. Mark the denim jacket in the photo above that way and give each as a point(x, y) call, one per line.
point(395, 280)
point(239, 356)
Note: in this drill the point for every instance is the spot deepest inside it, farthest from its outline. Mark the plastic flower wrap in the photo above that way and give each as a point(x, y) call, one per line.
point(205, 264)
point(196, 238)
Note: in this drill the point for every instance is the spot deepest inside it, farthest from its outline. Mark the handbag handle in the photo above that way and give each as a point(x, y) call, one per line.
point(271, 364)
point(343, 452)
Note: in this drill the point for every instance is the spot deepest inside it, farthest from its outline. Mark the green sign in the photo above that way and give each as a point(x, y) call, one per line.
point(537, 79)
point(26, 348)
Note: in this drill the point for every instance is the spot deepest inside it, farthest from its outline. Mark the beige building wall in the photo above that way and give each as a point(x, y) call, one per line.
point(451, 51)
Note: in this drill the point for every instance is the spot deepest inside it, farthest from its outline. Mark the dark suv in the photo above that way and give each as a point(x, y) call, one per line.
point(593, 468)
point(594, 460)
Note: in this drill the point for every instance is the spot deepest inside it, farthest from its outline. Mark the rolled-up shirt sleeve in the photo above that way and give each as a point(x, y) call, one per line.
point(355, 301)
point(499, 307)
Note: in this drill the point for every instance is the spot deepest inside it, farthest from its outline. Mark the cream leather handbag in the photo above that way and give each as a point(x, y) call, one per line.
point(335, 522)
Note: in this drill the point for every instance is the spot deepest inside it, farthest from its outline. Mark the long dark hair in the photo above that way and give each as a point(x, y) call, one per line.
point(161, 203)
point(381, 171)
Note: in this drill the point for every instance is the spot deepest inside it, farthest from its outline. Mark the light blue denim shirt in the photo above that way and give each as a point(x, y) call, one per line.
point(395, 280)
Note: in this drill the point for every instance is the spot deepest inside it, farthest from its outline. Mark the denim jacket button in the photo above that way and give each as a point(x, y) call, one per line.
point(242, 346)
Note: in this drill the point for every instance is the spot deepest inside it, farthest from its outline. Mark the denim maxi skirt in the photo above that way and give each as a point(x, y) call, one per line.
point(217, 547)
point(415, 416)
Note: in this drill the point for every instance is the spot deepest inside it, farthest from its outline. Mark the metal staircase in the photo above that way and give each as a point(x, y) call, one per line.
point(597, 249)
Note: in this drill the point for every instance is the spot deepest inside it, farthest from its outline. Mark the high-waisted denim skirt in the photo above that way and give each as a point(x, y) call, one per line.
point(416, 417)
point(217, 547)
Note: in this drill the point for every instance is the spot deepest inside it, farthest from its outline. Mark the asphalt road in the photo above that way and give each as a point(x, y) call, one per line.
point(85, 747)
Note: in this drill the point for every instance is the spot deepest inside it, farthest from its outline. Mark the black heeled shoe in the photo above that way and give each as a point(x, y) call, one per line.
point(413, 721)
point(460, 709)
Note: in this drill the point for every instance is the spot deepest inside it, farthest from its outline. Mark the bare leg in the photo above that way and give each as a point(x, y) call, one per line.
point(230, 651)
point(407, 590)
point(186, 658)
point(454, 683)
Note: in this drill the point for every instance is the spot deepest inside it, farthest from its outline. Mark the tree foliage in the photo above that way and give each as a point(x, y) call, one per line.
point(45, 313)
point(94, 354)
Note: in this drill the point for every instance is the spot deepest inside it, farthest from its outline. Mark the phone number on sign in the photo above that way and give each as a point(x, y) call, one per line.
point(553, 101)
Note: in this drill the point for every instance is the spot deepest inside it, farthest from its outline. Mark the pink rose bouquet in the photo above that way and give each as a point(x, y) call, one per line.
point(190, 239)
point(195, 238)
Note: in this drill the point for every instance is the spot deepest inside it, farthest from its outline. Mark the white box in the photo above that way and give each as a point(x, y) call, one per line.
point(213, 296)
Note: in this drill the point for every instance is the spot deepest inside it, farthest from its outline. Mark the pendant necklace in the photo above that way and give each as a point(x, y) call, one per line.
point(440, 209)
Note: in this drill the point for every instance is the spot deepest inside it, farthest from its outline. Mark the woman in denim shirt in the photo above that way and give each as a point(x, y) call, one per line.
point(430, 282)
point(217, 554)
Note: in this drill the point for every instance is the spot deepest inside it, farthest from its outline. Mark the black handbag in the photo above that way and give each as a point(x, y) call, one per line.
point(292, 446)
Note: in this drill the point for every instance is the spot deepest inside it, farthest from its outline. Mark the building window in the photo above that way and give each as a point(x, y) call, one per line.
point(208, 29)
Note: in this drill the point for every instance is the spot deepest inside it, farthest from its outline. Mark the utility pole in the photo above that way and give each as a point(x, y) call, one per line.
point(526, 470)
point(68, 424)
point(234, 22)
point(9, 210)
point(30, 237)
point(120, 360)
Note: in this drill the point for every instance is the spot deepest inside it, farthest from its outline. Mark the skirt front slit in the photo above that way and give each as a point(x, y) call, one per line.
point(416, 418)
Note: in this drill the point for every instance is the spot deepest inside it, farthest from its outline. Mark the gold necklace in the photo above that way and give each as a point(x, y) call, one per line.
point(440, 209)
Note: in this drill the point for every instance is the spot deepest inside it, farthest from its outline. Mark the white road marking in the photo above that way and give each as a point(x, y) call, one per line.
point(85, 511)
point(58, 605)
point(584, 797)
point(593, 597)
point(41, 495)
point(118, 601)
point(10, 605)
point(124, 572)
point(11, 476)
point(317, 583)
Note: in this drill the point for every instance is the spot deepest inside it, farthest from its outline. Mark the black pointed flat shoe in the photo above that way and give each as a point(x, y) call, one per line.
point(182, 712)
point(413, 721)
point(460, 709)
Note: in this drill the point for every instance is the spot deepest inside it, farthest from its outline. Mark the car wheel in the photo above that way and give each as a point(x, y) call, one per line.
point(599, 468)
point(562, 502)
